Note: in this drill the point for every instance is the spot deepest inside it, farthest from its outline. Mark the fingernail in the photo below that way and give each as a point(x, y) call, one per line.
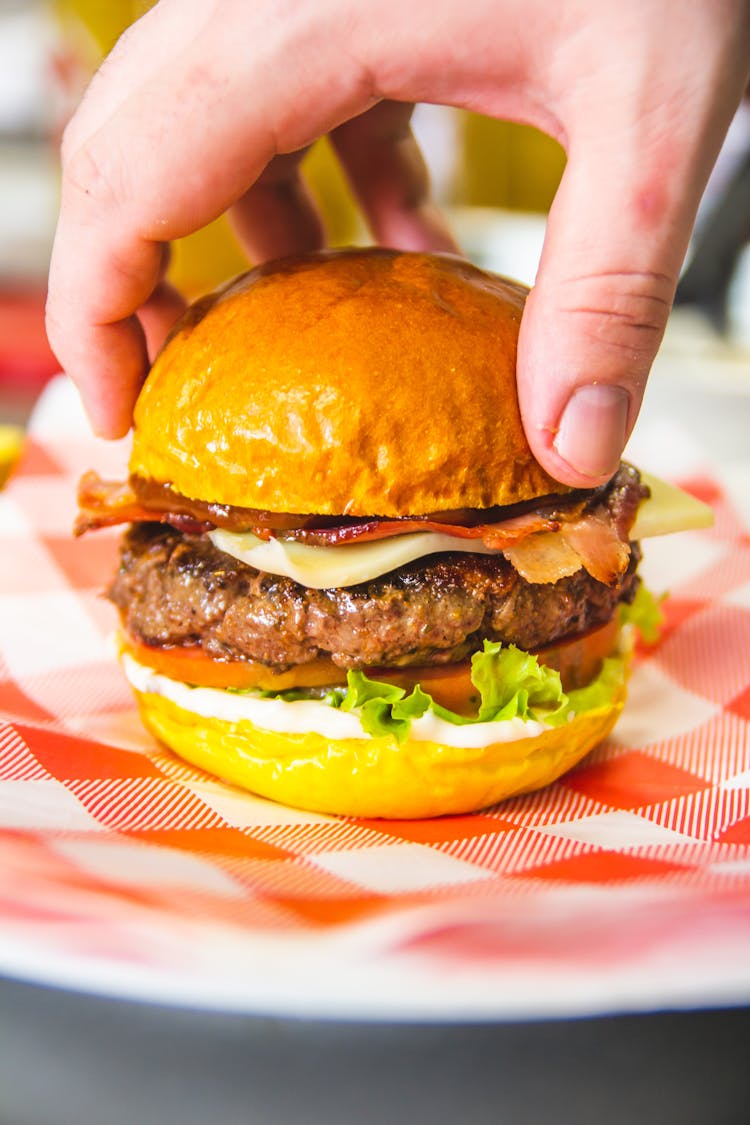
point(593, 429)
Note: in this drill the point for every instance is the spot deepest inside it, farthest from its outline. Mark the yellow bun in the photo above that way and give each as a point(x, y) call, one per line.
point(359, 382)
point(374, 777)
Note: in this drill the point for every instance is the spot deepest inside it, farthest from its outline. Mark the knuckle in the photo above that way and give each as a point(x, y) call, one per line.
point(86, 173)
point(624, 310)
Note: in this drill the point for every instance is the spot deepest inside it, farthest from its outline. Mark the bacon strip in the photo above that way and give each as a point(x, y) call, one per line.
point(105, 503)
point(599, 547)
point(543, 545)
point(544, 557)
point(590, 541)
point(492, 535)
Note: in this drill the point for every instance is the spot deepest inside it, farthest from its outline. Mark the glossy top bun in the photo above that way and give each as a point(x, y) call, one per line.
point(353, 382)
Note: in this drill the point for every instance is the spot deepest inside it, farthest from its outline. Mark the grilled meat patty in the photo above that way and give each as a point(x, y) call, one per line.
point(177, 589)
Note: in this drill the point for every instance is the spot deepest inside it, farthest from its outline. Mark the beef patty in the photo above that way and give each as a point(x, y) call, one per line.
point(177, 589)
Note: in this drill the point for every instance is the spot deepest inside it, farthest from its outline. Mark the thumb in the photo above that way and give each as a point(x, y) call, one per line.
point(597, 313)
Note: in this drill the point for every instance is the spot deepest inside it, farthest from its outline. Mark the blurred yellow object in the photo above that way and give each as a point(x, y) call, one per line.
point(105, 20)
point(341, 216)
point(508, 165)
point(205, 259)
point(11, 443)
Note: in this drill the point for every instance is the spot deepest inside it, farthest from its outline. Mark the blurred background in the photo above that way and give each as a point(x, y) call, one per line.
point(497, 181)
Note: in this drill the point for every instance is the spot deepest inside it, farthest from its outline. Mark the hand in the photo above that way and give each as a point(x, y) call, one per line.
point(202, 108)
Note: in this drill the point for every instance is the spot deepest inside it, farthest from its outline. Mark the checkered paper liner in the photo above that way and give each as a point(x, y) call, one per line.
point(624, 886)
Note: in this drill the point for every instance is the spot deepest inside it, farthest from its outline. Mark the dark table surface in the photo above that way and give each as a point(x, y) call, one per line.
point(72, 1059)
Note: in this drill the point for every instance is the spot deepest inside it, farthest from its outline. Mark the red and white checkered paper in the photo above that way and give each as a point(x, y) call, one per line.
point(624, 886)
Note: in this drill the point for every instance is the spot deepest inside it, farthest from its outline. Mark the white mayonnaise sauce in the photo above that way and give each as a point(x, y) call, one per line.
point(303, 716)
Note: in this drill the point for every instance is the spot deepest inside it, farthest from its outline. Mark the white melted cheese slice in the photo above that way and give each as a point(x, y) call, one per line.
point(322, 568)
point(667, 510)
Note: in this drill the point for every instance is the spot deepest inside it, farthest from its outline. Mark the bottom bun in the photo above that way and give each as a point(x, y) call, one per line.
point(374, 777)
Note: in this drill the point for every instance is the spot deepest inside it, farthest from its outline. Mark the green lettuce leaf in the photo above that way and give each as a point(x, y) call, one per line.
point(511, 684)
point(383, 708)
point(599, 693)
point(644, 613)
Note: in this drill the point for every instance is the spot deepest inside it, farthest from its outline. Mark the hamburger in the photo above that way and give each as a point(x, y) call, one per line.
point(346, 584)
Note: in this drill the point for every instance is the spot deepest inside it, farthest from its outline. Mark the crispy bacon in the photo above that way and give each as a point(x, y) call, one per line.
point(591, 541)
point(105, 503)
point(544, 540)
point(597, 543)
point(492, 535)
point(543, 557)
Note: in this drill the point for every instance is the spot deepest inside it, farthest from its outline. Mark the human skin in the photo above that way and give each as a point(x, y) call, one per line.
point(204, 108)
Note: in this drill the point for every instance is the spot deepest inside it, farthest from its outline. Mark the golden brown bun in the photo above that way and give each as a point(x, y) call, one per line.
point(359, 382)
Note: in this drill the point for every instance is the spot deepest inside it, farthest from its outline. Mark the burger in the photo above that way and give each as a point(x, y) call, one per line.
point(346, 583)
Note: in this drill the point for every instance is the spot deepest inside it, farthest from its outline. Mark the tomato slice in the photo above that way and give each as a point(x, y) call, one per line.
point(579, 659)
point(191, 665)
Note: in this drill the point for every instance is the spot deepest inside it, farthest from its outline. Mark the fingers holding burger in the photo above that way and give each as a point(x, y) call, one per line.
point(346, 583)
